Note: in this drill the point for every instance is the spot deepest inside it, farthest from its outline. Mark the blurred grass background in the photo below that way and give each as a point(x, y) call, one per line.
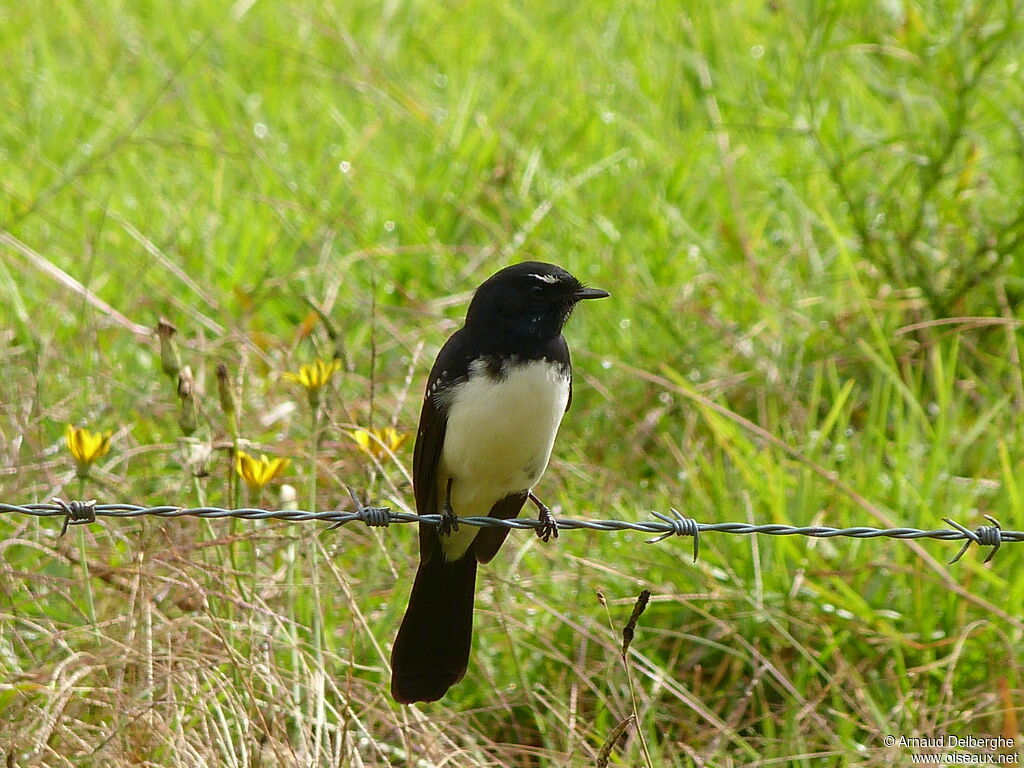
point(807, 213)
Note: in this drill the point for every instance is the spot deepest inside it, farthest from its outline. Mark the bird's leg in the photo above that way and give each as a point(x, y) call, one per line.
point(548, 527)
point(449, 522)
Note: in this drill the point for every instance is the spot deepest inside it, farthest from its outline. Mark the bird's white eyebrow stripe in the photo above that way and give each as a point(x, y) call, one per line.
point(550, 279)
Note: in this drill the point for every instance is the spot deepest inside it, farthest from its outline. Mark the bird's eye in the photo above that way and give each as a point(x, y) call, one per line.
point(537, 291)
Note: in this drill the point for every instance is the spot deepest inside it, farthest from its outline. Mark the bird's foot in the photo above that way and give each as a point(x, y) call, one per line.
point(449, 520)
point(548, 526)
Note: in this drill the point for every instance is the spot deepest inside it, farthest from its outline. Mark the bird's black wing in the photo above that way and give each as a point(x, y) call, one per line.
point(568, 365)
point(450, 367)
point(489, 540)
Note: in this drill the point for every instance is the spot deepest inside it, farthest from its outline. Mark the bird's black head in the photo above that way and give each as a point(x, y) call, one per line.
point(531, 300)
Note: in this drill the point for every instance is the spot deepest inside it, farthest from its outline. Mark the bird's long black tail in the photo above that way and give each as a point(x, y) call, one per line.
point(431, 650)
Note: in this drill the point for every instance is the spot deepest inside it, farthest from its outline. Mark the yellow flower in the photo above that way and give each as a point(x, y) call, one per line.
point(86, 447)
point(258, 472)
point(379, 442)
point(315, 375)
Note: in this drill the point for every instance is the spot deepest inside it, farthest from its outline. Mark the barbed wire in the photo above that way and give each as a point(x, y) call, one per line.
point(84, 512)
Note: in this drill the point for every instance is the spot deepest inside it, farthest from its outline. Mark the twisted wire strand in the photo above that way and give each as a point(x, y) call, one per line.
point(84, 512)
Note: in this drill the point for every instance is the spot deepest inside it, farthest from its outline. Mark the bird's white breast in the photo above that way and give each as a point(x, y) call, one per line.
point(499, 437)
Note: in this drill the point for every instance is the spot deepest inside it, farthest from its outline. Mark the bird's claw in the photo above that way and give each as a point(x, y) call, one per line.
point(548, 526)
point(449, 520)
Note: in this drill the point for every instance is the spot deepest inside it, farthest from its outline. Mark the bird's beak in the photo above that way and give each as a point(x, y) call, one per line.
point(590, 293)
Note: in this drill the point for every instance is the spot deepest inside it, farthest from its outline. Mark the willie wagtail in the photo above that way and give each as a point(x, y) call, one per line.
point(492, 406)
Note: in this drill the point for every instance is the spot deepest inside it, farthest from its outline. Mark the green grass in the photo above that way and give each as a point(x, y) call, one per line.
point(800, 209)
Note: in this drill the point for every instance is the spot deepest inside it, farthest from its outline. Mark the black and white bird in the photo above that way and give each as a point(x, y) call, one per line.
point(492, 407)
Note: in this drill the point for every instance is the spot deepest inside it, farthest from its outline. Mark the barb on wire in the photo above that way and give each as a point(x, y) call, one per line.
point(681, 526)
point(76, 512)
point(375, 517)
point(82, 512)
point(985, 536)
